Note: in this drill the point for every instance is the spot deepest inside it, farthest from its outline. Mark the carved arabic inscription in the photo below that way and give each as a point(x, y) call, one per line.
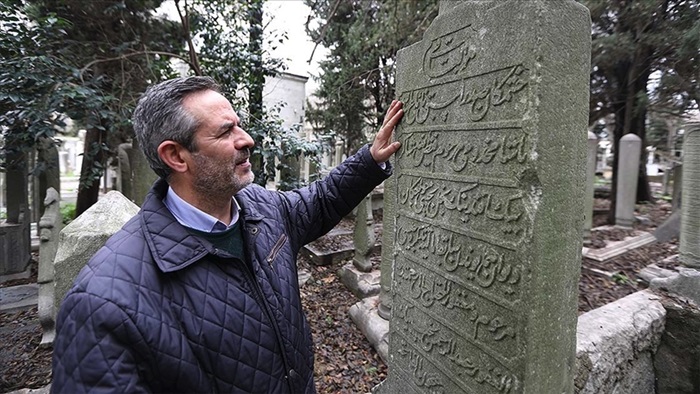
point(446, 102)
point(488, 269)
point(467, 367)
point(495, 212)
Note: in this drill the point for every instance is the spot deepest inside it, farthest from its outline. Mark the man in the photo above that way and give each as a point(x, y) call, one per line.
point(199, 291)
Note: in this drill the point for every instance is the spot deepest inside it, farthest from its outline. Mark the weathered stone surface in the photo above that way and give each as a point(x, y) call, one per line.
point(653, 271)
point(677, 360)
point(690, 208)
point(626, 197)
point(82, 237)
point(615, 344)
point(490, 185)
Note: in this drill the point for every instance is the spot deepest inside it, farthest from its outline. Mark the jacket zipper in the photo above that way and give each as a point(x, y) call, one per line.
point(270, 316)
point(276, 249)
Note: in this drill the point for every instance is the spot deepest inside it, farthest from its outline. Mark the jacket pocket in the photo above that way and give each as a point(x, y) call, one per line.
point(276, 249)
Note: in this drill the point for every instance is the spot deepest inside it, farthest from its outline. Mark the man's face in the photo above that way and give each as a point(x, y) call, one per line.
point(221, 164)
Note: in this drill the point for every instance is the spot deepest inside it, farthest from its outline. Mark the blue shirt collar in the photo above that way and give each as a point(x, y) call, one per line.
point(189, 216)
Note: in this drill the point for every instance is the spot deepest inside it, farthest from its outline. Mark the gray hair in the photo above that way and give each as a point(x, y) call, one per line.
point(160, 116)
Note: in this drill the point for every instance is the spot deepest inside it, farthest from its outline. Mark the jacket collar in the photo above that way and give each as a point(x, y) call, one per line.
point(172, 246)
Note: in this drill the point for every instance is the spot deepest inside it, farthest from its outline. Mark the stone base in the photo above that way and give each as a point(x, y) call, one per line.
point(15, 244)
point(375, 329)
point(361, 284)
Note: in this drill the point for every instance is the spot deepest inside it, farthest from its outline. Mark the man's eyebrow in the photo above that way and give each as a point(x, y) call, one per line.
point(226, 126)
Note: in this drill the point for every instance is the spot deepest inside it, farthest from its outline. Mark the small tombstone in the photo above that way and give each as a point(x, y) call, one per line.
point(338, 155)
point(82, 237)
point(490, 184)
point(49, 228)
point(627, 178)
point(690, 209)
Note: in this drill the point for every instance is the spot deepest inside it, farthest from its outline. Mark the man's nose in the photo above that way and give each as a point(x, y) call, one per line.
point(243, 140)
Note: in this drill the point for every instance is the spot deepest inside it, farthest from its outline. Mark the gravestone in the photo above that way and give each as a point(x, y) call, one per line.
point(358, 276)
point(82, 237)
point(141, 174)
point(124, 175)
point(490, 185)
point(50, 226)
point(590, 182)
point(690, 208)
point(15, 237)
point(628, 171)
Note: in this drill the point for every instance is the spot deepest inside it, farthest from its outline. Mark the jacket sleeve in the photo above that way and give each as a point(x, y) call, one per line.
point(94, 348)
point(316, 209)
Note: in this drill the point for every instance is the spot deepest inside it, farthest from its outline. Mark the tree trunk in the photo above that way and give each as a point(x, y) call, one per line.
point(255, 88)
point(89, 189)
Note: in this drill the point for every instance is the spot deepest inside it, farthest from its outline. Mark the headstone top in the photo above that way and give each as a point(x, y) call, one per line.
point(630, 137)
point(108, 215)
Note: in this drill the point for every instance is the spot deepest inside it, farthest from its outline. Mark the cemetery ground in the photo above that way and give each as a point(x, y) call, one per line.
point(345, 362)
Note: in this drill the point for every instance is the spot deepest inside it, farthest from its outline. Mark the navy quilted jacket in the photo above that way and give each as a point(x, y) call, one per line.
point(160, 310)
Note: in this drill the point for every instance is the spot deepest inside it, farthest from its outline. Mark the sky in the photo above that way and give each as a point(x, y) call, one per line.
point(285, 16)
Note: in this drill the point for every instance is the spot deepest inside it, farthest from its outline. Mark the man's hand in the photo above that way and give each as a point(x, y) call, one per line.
point(382, 148)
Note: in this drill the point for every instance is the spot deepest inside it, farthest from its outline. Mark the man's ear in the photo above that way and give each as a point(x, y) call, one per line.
point(174, 155)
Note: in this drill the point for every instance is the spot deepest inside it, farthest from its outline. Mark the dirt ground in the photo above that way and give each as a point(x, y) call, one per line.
point(345, 362)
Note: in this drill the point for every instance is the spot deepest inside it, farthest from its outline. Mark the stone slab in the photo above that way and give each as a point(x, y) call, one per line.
point(615, 344)
point(20, 297)
point(375, 329)
point(615, 249)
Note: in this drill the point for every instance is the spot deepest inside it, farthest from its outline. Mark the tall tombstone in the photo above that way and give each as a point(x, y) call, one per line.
point(590, 182)
point(124, 175)
point(363, 235)
point(628, 172)
point(50, 226)
point(141, 174)
point(490, 184)
point(677, 187)
point(690, 208)
point(82, 237)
